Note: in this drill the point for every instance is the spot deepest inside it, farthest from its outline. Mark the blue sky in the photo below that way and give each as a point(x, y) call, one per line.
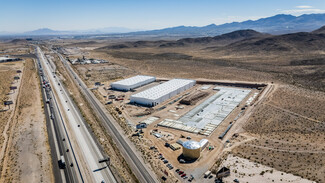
point(25, 15)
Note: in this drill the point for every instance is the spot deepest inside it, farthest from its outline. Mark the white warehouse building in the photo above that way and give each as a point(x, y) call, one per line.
point(133, 82)
point(158, 94)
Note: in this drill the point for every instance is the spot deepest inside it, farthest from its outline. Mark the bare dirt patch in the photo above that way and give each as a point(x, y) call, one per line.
point(27, 155)
point(248, 171)
point(291, 139)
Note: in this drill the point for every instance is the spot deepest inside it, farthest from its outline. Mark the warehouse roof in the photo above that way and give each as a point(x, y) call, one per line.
point(163, 89)
point(133, 80)
point(4, 58)
point(203, 142)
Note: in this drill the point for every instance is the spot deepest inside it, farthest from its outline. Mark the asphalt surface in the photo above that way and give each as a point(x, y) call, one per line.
point(88, 149)
point(58, 177)
point(138, 167)
point(56, 135)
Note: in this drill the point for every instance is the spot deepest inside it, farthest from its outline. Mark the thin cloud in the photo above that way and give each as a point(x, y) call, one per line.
point(304, 7)
point(303, 11)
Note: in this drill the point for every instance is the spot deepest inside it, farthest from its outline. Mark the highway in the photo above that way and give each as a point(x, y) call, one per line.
point(84, 150)
point(54, 128)
point(128, 150)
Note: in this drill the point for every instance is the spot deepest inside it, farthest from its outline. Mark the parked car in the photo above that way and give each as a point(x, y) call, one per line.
point(182, 161)
point(163, 178)
point(177, 170)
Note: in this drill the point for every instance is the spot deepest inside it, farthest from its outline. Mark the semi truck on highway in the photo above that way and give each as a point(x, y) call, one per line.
point(62, 163)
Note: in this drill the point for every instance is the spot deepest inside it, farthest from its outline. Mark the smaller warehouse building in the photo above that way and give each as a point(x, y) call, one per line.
point(175, 146)
point(133, 82)
point(7, 59)
point(158, 94)
point(203, 143)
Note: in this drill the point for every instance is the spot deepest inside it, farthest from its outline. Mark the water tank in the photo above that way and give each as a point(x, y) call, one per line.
point(191, 149)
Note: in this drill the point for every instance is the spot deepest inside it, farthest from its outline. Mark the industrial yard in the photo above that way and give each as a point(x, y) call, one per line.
point(172, 113)
point(226, 106)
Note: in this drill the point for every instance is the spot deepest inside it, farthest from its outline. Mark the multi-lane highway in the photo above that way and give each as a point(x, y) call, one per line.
point(59, 146)
point(85, 152)
point(133, 158)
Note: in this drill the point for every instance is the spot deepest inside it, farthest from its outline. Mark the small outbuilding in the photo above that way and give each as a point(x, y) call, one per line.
point(223, 172)
point(203, 143)
point(175, 146)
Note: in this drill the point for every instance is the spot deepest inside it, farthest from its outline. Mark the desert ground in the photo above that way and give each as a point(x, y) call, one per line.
point(284, 131)
point(25, 152)
point(248, 171)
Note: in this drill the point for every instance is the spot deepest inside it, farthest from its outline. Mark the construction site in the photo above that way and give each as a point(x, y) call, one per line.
point(185, 119)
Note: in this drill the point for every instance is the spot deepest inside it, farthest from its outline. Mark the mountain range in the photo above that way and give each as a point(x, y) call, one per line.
point(47, 31)
point(248, 41)
point(220, 40)
point(278, 24)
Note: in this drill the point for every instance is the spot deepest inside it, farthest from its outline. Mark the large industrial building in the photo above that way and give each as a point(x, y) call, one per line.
point(133, 82)
point(158, 94)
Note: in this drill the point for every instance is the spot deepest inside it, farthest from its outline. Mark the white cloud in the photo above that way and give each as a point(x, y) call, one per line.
point(303, 11)
point(304, 7)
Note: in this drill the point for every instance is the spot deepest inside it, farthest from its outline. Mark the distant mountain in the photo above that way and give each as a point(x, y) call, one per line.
point(278, 24)
point(242, 41)
point(300, 42)
point(107, 30)
point(221, 40)
point(46, 31)
point(319, 31)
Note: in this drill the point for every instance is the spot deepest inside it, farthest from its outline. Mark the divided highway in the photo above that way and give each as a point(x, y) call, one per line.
point(59, 146)
point(132, 157)
point(86, 153)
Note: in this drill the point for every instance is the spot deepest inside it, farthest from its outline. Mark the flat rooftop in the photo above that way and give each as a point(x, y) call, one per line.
point(133, 80)
point(215, 109)
point(163, 89)
point(206, 117)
